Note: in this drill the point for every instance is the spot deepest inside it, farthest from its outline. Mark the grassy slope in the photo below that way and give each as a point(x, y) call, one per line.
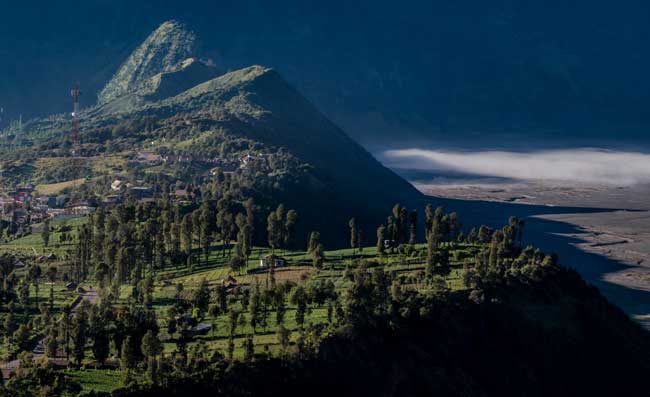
point(32, 244)
point(299, 269)
point(57, 188)
point(214, 271)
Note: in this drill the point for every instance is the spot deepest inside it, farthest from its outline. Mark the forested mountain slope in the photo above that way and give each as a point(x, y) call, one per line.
point(162, 52)
point(243, 133)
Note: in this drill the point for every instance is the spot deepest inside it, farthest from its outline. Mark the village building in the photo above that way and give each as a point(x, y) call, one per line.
point(112, 200)
point(140, 192)
point(181, 194)
point(42, 208)
point(48, 201)
point(80, 208)
point(19, 216)
point(117, 185)
point(55, 212)
point(258, 159)
point(7, 206)
point(22, 194)
point(272, 260)
point(148, 158)
point(38, 217)
point(200, 329)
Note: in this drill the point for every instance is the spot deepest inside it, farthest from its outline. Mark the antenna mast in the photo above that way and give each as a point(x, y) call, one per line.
point(75, 93)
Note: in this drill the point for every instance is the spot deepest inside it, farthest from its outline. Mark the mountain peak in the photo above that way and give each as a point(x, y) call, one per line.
point(163, 51)
point(234, 78)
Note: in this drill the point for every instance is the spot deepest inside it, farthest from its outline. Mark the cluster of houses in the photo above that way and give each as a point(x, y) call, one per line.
point(272, 261)
point(227, 166)
point(258, 161)
point(23, 207)
point(121, 188)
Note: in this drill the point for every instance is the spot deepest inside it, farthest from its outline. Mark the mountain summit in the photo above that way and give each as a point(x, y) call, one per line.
point(461, 71)
point(164, 51)
point(259, 103)
point(246, 133)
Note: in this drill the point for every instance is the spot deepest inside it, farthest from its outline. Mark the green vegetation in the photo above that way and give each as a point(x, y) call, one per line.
point(162, 52)
point(246, 133)
point(219, 280)
point(97, 380)
point(56, 188)
point(62, 235)
point(168, 290)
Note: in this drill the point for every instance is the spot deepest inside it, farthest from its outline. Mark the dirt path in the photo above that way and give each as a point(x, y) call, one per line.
point(91, 296)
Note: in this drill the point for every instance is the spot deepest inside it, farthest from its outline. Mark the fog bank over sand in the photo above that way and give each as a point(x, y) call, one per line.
point(616, 168)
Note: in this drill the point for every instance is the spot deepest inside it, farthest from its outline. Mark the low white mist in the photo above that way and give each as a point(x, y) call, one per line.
point(580, 165)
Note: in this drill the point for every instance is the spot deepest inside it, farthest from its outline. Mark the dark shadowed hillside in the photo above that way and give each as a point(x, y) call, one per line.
point(549, 335)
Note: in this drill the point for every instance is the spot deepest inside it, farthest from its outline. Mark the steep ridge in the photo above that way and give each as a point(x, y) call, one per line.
point(180, 109)
point(450, 70)
point(163, 51)
point(188, 74)
point(276, 114)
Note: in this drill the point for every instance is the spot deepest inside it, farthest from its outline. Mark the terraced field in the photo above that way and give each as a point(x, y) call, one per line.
point(338, 268)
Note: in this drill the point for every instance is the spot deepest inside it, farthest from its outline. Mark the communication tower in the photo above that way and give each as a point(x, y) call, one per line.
point(75, 93)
